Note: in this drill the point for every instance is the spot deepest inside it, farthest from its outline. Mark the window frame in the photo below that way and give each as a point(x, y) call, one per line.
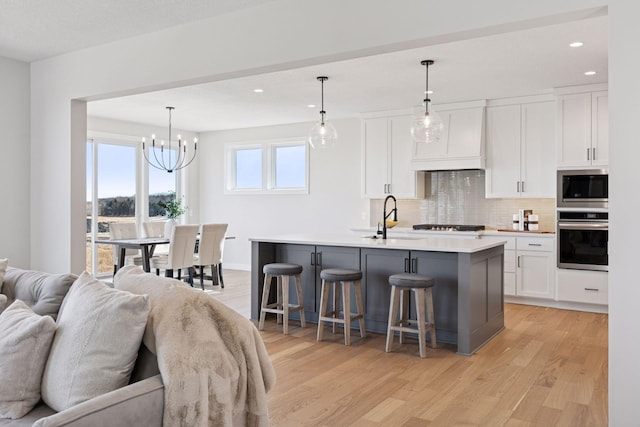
point(269, 168)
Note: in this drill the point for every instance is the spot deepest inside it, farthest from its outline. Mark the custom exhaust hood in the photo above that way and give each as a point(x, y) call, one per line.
point(462, 143)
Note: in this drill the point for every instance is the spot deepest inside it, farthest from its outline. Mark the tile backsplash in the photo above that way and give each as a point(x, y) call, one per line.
point(458, 197)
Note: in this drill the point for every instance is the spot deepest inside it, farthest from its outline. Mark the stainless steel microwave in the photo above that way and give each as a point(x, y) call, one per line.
point(586, 188)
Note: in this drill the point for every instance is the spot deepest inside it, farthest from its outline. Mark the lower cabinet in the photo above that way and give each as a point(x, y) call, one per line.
point(591, 287)
point(313, 259)
point(529, 266)
point(535, 266)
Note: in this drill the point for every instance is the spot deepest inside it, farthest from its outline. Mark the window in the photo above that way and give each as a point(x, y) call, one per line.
point(162, 187)
point(267, 167)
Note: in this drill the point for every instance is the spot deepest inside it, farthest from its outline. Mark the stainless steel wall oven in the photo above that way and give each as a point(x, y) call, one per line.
point(583, 240)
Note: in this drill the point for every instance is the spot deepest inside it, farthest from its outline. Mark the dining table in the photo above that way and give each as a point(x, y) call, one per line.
point(146, 245)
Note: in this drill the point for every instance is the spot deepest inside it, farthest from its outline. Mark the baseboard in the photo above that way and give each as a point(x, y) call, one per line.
point(233, 266)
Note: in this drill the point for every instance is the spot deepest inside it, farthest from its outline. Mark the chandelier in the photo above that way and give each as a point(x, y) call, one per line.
point(322, 134)
point(427, 125)
point(167, 157)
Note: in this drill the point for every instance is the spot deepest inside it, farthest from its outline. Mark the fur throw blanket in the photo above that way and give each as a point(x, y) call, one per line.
point(213, 362)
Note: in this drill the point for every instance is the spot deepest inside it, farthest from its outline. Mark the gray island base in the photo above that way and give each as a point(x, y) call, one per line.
point(468, 273)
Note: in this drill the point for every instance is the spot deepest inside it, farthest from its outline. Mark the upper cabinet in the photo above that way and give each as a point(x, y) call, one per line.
point(583, 129)
point(520, 147)
point(462, 143)
point(386, 151)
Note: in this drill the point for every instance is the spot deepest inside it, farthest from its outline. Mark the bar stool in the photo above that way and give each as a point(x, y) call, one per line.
point(343, 278)
point(282, 272)
point(401, 284)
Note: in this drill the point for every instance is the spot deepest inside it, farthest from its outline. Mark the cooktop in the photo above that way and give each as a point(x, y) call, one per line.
point(448, 227)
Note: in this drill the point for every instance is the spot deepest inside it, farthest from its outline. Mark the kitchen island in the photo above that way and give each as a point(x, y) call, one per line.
point(468, 273)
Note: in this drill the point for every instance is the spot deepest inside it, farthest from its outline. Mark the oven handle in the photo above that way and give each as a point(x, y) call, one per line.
point(584, 225)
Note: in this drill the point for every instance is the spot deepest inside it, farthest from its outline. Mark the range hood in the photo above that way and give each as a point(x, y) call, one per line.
point(462, 142)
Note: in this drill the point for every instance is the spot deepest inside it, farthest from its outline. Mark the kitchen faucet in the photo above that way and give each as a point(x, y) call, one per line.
point(386, 215)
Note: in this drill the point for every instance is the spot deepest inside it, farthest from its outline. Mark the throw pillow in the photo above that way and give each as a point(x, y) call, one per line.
point(25, 340)
point(94, 351)
point(3, 268)
point(3, 302)
point(43, 292)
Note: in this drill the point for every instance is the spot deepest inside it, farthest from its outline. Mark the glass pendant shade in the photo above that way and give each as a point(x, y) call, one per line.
point(322, 135)
point(427, 127)
point(427, 124)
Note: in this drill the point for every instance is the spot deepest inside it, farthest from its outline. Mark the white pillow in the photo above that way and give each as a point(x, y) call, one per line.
point(25, 340)
point(3, 302)
point(3, 268)
point(95, 348)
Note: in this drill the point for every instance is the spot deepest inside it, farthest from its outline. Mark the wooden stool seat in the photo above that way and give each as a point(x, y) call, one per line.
point(343, 278)
point(282, 272)
point(401, 285)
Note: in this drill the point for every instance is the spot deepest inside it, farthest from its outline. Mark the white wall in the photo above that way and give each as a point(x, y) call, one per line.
point(14, 161)
point(333, 204)
point(624, 234)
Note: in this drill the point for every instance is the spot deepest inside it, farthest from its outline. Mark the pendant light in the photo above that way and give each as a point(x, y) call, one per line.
point(322, 134)
point(169, 159)
point(427, 125)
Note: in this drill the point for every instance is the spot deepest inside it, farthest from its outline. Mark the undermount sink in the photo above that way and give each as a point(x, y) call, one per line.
point(392, 238)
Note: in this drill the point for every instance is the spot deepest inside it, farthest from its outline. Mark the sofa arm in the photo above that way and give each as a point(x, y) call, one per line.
point(138, 404)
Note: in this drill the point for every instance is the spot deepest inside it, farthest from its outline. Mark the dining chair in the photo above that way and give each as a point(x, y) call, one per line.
point(156, 229)
point(180, 256)
point(210, 251)
point(124, 230)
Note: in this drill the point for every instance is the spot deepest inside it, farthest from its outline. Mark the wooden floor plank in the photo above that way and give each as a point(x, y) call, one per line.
point(547, 368)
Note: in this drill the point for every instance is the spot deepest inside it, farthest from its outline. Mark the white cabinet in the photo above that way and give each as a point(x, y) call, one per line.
point(386, 151)
point(535, 267)
point(529, 266)
point(583, 129)
point(520, 147)
point(462, 143)
point(583, 286)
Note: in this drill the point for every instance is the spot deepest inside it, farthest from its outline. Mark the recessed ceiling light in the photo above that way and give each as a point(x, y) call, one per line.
point(258, 90)
point(576, 44)
point(311, 105)
point(590, 73)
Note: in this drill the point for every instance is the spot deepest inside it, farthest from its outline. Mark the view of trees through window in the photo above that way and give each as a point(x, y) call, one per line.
point(116, 176)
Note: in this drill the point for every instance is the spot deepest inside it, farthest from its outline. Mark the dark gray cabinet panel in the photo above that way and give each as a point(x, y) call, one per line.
point(302, 255)
point(377, 266)
point(313, 259)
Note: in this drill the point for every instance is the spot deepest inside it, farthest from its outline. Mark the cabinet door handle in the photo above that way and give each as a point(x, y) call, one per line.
point(414, 265)
point(389, 188)
point(593, 153)
point(517, 186)
point(406, 265)
point(518, 261)
point(313, 258)
point(592, 289)
point(588, 154)
point(319, 259)
point(522, 186)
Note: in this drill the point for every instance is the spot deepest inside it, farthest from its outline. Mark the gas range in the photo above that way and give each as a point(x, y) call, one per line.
point(448, 227)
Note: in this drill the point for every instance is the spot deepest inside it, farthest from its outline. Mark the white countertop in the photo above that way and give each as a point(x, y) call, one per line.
point(436, 244)
point(410, 232)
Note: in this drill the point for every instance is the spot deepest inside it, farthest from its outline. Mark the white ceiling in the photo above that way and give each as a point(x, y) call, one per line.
point(37, 29)
point(514, 64)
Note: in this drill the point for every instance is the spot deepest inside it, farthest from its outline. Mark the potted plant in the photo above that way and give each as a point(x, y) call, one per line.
point(173, 210)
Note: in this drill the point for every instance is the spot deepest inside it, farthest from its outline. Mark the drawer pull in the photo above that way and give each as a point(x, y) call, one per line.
point(535, 244)
point(592, 289)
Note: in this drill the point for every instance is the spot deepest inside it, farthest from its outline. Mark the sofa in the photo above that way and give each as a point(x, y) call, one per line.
point(210, 357)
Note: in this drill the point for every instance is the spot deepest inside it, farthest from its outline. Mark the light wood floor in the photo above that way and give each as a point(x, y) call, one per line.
point(547, 368)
